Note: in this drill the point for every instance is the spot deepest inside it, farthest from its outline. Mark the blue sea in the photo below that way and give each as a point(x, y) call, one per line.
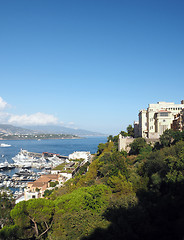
point(59, 146)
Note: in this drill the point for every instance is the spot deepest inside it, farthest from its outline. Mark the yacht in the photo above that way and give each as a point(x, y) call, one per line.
point(23, 159)
point(4, 165)
point(5, 145)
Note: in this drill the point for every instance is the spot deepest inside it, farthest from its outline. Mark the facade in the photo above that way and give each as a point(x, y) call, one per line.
point(136, 129)
point(157, 118)
point(178, 122)
point(142, 123)
point(78, 155)
point(37, 188)
point(123, 143)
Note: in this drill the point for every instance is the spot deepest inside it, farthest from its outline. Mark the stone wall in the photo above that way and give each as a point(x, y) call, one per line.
point(123, 142)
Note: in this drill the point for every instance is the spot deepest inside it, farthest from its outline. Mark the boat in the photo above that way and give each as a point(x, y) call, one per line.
point(22, 159)
point(5, 145)
point(4, 165)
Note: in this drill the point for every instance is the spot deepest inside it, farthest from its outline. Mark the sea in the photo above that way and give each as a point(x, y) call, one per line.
point(63, 147)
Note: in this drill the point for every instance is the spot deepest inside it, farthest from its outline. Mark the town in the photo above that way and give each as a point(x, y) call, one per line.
point(56, 170)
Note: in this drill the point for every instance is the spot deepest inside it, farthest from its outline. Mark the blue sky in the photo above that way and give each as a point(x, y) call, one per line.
point(89, 64)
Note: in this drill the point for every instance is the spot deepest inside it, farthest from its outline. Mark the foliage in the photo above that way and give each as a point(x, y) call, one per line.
point(92, 198)
point(83, 169)
point(101, 148)
point(111, 164)
point(137, 145)
point(112, 139)
point(130, 131)
point(76, 224)
point(36, 214)
point(53, 184)
point(121, 196)
point(120, 184)
point(60, 166)
point(167, 138)
point(11, 232)
point(6, 205)
point(170, 137)
point(47, 192)
point(124, 134)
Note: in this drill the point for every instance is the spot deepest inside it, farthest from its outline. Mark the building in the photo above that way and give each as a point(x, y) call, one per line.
point(178, 122)
point(37, 188)
point(123, 143)
point(157, 118)
point(81, 155)
point(136, 129)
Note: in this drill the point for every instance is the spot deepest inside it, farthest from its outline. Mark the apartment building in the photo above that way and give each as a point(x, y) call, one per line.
point(157, 118)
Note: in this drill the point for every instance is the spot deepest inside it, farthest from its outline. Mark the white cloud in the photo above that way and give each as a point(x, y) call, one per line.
point(33, 119)
point(3, 104)
point(4, 117)
point(71, 123)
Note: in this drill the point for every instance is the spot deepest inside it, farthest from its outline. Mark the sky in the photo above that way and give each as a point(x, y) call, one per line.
point(90, 64)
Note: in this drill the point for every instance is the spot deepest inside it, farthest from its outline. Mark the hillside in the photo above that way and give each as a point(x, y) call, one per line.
point(10, 129)
point(118, 196)
point(63, 130)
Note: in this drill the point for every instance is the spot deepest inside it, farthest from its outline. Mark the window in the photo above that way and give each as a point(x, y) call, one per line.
point(164, 114)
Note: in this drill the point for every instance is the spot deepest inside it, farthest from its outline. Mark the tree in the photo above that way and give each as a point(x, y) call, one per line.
point(110, 138)
point(101, 148)
point(119, 184)
point(111, 164)
point(78, 213)
point(6, 205)
point(11, 232)
point(167, 138)
point(34, 214)
point(130, 131)
point(137, 145)
point(124, 134)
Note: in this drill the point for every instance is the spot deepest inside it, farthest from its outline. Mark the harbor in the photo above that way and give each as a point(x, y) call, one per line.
point(53, 151)
point(29, 166)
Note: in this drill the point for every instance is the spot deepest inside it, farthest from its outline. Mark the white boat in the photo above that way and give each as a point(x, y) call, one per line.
point(4, 165)
point(23, 159)
point(5, 145)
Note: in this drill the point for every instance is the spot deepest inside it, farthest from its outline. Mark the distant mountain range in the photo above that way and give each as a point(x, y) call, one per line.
point(63, 130)
point(9, 129)
point(53, 129)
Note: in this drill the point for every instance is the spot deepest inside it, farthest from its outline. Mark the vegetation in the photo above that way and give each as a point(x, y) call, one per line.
point(6, 205)
point(131, 196)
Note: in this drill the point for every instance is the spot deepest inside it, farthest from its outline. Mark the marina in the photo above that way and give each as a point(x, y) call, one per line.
point(19, 166)
point(27, 162)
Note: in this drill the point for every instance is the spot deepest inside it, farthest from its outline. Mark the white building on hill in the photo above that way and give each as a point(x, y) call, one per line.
point(157, 118)
point(81, 155)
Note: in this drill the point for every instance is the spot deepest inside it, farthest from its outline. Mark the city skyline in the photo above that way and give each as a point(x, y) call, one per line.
point(89, 64)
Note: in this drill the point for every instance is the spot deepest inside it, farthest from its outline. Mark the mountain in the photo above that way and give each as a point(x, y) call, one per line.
point(9, 129)
point(53, 129)
point(63, 130)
